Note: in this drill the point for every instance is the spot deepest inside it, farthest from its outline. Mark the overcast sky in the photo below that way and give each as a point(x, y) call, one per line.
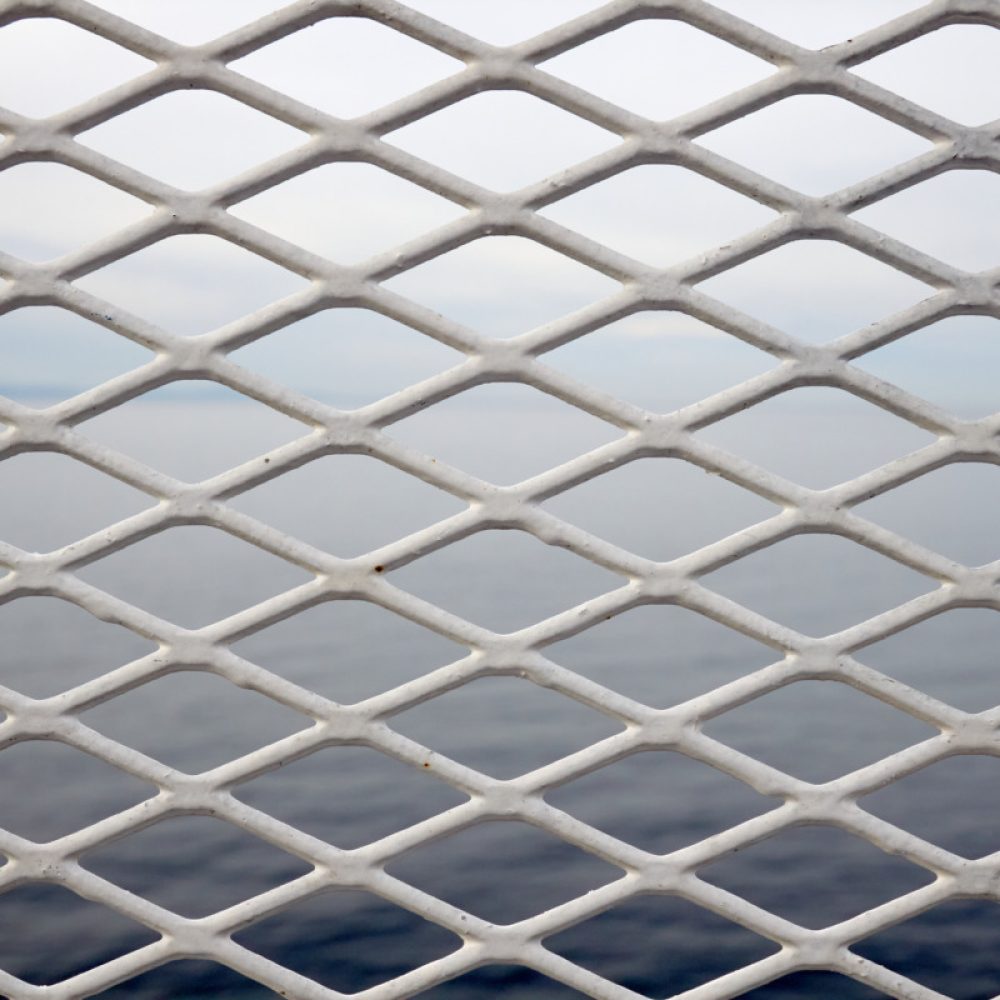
point(502, 140)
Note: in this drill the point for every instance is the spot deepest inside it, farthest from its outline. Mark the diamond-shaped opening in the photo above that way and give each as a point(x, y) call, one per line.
point(192, 283)
point(504, 24)
point(943, 217)
point(817, 436)
point(952, 656)
point(504, 580)
point(659, 68)
point(529, 285)
point(948, 803)
point(951, 510)
point(349, 650)
point(188, 978)
point(815, 875)
point(193, 575)
point(836, 142)
point(661, 654)
point(194, 865)
point(799, 288)
point(800, 985)
point(193, 429)
point(818, 730)
point(51, 645)
point(659, 213)
point(192, 138)
point(509, 139)
point(347, 357)
point(348, 504)
point(49, 933)
point(954, 363)
point(347, 211)
point(660, 945)
point(48, 500)
point(51, 210)
point(953, 948)
point(954, 71)
point(798, 22)
point(500, 980)
point(338, 65)
point(194, 720)
point(47, 65)
point(190, 21)
point(504, 432)
point(503, 870)
point(366, 795)
point(50, 789)
point(848, 583)
point(348, 940)
point(504, 726)
point(660, 360)
point(626, 506)
point(48, 354)
point(659, 800)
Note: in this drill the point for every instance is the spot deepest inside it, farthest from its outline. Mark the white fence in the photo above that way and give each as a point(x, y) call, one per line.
point(797, 70)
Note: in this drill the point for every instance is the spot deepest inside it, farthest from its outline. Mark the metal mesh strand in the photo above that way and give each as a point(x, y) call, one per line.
point(798, 71)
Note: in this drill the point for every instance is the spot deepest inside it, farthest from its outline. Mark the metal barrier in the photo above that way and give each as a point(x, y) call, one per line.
point(796, 71)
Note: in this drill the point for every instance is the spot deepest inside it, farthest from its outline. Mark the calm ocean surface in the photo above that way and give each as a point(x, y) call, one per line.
point(504, 726)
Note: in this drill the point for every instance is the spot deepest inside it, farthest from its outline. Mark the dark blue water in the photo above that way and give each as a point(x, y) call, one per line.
point(504, 726)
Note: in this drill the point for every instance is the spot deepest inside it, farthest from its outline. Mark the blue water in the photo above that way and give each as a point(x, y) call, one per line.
point(504, 726)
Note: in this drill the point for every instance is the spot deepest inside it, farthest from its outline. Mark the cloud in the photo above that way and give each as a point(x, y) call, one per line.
point(190, 285)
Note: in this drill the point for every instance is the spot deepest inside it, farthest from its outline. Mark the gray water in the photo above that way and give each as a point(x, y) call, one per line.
point(505, 726)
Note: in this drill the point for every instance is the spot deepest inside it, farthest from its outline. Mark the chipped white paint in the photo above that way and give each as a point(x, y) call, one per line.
point(797, 71)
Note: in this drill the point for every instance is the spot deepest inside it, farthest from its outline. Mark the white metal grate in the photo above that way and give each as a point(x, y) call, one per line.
point(797, 71)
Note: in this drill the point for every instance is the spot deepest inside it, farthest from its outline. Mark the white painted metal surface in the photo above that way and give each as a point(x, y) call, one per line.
point(798, 71)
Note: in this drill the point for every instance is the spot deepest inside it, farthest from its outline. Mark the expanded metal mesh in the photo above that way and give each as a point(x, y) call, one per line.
point(55, 429)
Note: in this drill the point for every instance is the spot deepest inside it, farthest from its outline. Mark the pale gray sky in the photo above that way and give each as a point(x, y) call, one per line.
point(503, 140)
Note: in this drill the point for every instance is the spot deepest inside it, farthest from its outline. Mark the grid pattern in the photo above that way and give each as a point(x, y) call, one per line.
point(520, 359)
